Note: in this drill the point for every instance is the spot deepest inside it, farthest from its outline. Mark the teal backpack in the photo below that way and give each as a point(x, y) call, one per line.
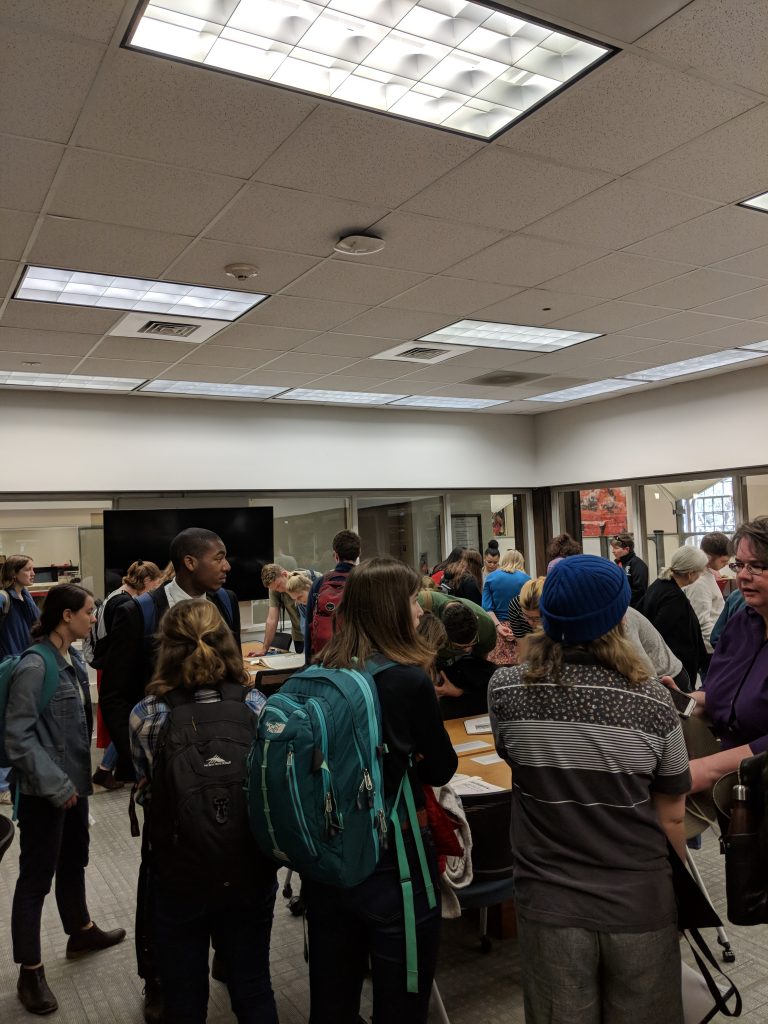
point(315, 786)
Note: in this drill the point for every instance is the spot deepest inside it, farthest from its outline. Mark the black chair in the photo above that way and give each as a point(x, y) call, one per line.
point(6, 834)
point(489, 820)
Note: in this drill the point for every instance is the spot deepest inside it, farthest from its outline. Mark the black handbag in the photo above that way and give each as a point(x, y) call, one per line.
point(745, 847)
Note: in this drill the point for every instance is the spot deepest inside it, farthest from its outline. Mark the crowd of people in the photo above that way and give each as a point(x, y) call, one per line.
point(575, 667)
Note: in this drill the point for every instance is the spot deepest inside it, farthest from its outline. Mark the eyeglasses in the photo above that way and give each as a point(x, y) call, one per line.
point(753, 568)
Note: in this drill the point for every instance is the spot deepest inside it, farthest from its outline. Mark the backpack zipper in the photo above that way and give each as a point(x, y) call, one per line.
point(293, 790)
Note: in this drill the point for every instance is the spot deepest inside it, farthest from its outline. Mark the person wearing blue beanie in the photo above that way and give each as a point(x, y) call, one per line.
point(600, 775)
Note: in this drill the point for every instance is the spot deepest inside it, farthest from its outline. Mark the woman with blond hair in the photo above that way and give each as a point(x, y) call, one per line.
point(600, 775)
point(500, 587)
point(211, 883)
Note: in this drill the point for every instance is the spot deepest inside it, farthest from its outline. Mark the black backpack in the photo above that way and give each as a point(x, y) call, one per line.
point(198, 817)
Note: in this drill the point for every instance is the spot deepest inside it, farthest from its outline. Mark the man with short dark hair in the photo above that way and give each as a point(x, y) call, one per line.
point(623, 550)
point(326, 593)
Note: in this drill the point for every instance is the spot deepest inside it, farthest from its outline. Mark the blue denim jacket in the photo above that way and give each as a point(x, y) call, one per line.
point(51, 752)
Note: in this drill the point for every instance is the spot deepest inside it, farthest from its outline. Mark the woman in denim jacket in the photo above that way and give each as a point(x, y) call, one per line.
point(50, 752)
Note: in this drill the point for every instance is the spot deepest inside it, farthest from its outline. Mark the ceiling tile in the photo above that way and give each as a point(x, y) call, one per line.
point(696, 288)
point(726, 40)
point(449, 372)
point(452, 296)
point(729, 231)
point(43, 363)
point(104, 248)
point(116, 190)
point(120, 368)
point(745, 333)
point(342, 382)
point(425, 243)
point(44, 80)
point(304, 314)
point(623, 114)
point(379, 369)
point(474, 391)
point(723, 164)
point(748, 305)
point(204, 262)
point(144, 349)
point(524, 260)
point(617, 274)
point(670, 352)
point(615, 346)
point(217, 355)
point(305, 362)
point(611, 316)
point(206, 374)
point(387, 322)
point(27, 168)
point(503, 189)
point(347, 345)
point(619, 214)
point(92, 19)
point(354, 154)
point(15, 229)
point(43, 316)
point(606, 17)
point(535, 307)
point(7, 274)
point(680, 326)
point(281, 218)
point(481, 359)
point(54, 343)
point(343, 281)
point(571, 361)
point(753, 264)
point(277, 379)
point(276, 339)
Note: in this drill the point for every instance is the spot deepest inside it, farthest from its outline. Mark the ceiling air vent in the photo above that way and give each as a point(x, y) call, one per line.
point(504, 379)
point(427, 355)
point(168, 329)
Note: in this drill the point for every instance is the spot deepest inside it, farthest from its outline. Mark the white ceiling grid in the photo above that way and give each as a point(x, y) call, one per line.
point(609, 209)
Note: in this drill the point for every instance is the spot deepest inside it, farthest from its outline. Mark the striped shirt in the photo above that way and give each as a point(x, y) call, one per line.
point(587, 754)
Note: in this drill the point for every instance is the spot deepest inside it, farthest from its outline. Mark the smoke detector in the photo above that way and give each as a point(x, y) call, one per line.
point(359, 245)
point(241, 271)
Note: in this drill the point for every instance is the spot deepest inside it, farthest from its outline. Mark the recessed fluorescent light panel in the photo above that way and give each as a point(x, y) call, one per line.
point(341, 397)
point(73, 288)
point(439, 402)
point(462, 66)
point(20, 379)
point(599, 387)
point(485, 334)
point(757, 202)
point(196, 387)
point(696, 365)
point(757, 346)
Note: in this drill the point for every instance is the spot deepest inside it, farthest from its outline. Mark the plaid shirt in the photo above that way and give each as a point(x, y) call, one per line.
point(149, 717)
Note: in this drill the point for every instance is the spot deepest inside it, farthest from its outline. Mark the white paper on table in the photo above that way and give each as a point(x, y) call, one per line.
point(472, 785)
point(487, 759)
point(465, 748)
point(476, 726)
point(278, 661)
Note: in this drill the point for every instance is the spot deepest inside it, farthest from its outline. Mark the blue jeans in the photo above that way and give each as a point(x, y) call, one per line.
point(4, 784)
point(346, 927)
point(239, 927)
point(109, 760)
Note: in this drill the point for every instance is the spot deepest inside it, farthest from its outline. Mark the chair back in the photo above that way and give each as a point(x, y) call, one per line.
point(489, 818)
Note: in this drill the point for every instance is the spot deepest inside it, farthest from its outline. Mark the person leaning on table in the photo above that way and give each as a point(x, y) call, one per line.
point(600, 773)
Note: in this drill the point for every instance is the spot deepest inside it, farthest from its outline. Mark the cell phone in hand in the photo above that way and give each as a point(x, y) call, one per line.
point(684, 703)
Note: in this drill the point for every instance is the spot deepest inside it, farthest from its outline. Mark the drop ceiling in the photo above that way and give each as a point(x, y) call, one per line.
point(613, 209)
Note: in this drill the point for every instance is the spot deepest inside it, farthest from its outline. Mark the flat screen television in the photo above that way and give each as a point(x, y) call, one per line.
point(130, 534)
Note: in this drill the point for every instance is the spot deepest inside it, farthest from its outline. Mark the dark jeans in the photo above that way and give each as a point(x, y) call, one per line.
point(349, 926)
point(52, 842)
point(240, 928)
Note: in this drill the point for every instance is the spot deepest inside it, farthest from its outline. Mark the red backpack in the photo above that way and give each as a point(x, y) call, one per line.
point(328, 598)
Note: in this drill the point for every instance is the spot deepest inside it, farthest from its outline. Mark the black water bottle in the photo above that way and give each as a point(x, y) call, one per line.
point(742, 817)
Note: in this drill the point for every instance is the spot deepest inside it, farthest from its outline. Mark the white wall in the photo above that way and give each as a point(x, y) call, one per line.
point(79, 443)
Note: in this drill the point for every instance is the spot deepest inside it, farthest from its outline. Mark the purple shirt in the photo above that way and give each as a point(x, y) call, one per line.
point(737, 683)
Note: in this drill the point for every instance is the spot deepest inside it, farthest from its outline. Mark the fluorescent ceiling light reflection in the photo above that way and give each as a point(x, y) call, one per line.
point(104, 291)
point(757, 346)
point(484, 334)
point(757, 202)
point(341, 397)
point(79, 382)
point(599, 387)
point(196, 387)
point(696, 365)
point(440, 402)
point(462, 66)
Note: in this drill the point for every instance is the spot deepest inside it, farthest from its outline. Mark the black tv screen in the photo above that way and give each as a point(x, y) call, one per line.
point(131, 534)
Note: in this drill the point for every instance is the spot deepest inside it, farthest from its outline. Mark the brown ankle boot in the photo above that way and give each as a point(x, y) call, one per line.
point(33, 991)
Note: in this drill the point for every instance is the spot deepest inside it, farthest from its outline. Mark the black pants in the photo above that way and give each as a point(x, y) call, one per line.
point(52, 842)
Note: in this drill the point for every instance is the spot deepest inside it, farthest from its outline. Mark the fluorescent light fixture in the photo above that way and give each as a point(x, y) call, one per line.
point(757, 346)
point(441, 402)
point(341, 397)
point(599, 387)
point(486, 334)
point(79, 382)
point(757, 202)
point(74, 288)
point(696, 365)
point(463, 66)
point(196, 387)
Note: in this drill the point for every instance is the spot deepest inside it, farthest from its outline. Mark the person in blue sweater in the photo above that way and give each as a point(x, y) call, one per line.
point(503, 584)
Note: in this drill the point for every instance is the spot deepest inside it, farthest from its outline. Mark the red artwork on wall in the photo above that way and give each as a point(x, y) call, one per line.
point(603, 512)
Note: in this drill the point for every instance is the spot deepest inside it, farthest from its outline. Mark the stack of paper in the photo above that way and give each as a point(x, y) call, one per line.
point(476, 726)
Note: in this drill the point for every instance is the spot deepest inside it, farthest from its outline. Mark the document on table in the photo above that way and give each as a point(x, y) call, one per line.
point(476, 726)
point(471, 785)
point(466, 748)
point(487, 759)
point(278, 661)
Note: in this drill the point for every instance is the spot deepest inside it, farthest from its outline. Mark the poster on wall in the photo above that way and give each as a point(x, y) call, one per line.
point(603, 512)
point(499, 524)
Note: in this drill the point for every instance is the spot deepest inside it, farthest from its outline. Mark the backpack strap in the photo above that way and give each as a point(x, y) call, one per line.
point(148, 613)
point(224, 601)
point(229, 691)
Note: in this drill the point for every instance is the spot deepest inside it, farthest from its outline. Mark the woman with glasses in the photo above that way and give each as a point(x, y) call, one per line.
point(735, 695)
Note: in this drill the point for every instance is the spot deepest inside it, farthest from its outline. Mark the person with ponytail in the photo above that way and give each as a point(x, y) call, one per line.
point(50, 750)
point(208, 884)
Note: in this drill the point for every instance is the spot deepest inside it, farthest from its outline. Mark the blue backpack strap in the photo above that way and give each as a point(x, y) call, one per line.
point(148, 613)
point(224, 601)
point(51, 677)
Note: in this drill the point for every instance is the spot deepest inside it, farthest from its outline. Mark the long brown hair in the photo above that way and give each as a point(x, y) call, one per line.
point(9, 568)
point(375, 617)
point(544, 657)
point(196, 649)
point(470, 564)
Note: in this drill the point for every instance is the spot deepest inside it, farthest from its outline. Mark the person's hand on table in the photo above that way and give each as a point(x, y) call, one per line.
point(257, 652)
point(445, 687)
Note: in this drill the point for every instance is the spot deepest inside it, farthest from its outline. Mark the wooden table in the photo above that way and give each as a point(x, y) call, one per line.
point(499, 774)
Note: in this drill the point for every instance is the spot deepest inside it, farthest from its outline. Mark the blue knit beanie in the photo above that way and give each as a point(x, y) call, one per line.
point(583, 598)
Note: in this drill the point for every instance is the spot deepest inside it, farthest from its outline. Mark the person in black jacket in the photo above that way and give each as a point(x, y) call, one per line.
point(346, 927)
point(666, 606)
point(623, 550)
